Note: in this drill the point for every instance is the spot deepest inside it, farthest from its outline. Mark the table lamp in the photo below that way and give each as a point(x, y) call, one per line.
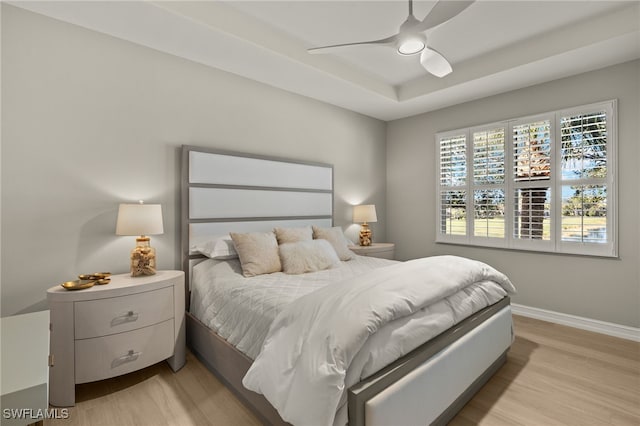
point(365, 213)
point(141, 220)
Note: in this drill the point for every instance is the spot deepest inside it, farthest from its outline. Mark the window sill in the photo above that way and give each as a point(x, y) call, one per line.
point(521, 250)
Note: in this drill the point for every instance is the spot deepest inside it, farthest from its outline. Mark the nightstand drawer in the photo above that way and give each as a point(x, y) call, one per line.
point(102, 317)
point(103, 357)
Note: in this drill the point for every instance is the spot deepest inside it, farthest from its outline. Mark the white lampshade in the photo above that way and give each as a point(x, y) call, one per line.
point(139, 219)
point(365, 213)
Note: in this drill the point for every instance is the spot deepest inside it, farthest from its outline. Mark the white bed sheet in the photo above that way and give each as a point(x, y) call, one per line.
point(241, 309)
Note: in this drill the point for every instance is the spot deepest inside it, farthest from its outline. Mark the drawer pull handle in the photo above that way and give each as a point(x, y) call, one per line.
point(130, 316)
point(129, 357)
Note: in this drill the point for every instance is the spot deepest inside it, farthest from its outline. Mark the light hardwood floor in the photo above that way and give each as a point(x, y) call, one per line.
point(554, 375)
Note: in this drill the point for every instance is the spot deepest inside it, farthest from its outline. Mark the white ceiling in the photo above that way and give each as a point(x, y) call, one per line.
point(493, 46)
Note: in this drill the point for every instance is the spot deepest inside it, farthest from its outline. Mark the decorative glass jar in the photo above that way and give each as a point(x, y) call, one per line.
point(143, 258)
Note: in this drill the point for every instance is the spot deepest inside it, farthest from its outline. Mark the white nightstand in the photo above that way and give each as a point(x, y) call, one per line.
point(113, 329)
point(25, 368)
point(381, 250)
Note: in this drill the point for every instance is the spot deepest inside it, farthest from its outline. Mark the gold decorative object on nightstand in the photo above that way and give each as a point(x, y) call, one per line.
point(100, 278)
point(78, 285)
point(87, 281)
point(365, 213)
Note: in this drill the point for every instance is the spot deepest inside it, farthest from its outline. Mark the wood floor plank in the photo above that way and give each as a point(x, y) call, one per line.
point(560, 375)
point(554, 375)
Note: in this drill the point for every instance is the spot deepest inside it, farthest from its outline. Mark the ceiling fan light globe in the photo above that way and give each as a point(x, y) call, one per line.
point(411, 47)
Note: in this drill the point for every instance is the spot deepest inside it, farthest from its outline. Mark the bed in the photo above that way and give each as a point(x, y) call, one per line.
point(426, 381)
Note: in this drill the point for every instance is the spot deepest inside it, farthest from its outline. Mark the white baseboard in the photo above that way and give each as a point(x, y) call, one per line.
point(609, 328)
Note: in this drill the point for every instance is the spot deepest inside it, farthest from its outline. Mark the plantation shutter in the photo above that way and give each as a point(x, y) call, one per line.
point(489, 182)
point(586, 181)
point(543, 183)
point(453, 185)
point(532, 179)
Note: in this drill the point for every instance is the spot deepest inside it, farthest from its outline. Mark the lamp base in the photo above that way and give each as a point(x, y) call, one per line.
point(366, 236)
point(143, 258)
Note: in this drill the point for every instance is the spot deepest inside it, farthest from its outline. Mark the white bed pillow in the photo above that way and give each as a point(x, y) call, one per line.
point(219, 247)
point(337, 239)
point(307, 256)
point(258, 253)
point(293, 235)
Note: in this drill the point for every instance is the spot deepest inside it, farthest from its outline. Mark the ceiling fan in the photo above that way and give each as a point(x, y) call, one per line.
point(411, 40)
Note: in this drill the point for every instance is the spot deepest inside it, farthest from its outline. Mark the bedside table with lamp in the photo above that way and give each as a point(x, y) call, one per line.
point(364, 214)
point(132, 322)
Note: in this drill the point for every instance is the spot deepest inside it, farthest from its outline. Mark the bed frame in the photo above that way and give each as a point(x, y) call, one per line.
point(225, 191)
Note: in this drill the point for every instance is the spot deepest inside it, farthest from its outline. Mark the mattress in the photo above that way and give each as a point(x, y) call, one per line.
point(240, 309)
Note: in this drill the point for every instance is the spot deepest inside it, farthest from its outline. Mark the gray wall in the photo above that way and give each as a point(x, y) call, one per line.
point(597, 288)
point(90, 121)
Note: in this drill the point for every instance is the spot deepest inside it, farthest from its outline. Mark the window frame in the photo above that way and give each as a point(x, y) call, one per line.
point(555, 183)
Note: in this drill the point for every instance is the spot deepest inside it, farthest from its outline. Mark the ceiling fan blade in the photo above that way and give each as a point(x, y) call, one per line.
point(328, 49)
point(442, 12)
point(435, 63)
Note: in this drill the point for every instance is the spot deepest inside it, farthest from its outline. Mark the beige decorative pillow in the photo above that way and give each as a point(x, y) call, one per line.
point(258, 253)
point(307, 256)
point(293, 235)
point(337, 239)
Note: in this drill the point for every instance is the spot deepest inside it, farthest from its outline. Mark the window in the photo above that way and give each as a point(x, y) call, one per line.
point(536, 183)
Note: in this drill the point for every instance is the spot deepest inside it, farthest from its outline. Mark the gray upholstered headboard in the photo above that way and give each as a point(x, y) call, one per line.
point(225, 191)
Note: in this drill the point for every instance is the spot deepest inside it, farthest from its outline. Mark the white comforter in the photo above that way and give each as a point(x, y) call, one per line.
point(314, 344)
point(241, 309)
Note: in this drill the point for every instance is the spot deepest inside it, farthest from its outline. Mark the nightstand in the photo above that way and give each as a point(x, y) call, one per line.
point(25, 368)
point(114, 329)
point(381, 250)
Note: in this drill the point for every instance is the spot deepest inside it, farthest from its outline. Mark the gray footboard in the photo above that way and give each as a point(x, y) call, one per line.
point(363, 391)
point(230, 366)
